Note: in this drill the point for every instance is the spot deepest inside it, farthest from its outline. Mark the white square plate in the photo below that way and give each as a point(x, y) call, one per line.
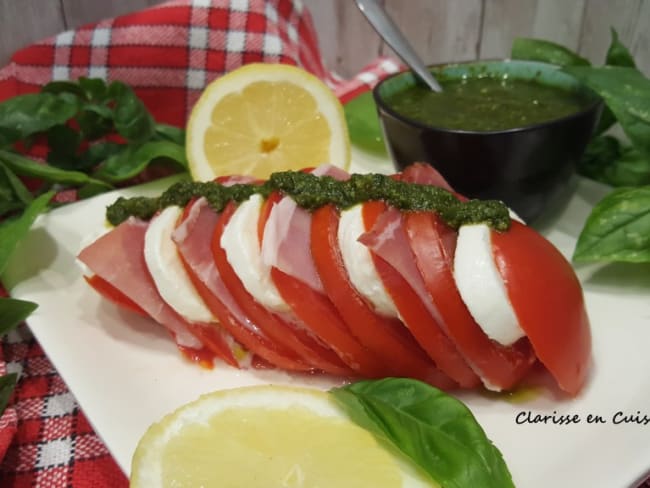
point(126, 373)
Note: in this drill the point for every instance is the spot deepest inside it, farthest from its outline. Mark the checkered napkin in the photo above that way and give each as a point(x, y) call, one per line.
point(168, 53)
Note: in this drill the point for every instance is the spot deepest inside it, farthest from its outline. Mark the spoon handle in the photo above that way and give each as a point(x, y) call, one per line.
point(391, 34)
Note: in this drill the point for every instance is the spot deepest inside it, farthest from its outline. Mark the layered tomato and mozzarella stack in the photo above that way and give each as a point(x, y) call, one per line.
point(362, 291)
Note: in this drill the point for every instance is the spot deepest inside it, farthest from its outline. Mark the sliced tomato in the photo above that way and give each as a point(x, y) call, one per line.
point(387, 338)
point(548, 302)
point(274, 327)
point(108, 291)
point(318, 313)
point(414, 313)
point(433, 244)
point(247, 334)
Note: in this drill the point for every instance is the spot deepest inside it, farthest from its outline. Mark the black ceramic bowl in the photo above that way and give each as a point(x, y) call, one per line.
point(528, 167)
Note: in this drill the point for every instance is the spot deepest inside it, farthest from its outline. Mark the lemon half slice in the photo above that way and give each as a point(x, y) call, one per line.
point(266, 437)
point(262, 118)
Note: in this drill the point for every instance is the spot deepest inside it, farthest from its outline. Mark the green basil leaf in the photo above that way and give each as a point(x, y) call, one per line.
point(19, 190)
point(363, 124)
point(131, 118)
point(36, 112)
point(545, 51)
point(13, 312)
point(134, 159)
point(600, 153)
point(64, 143)
point(627, 93)
point(95, 121)
point(629, 169)
point(7, 385)
point(58, 87)
point(436, 431)
point(618, 54)
point(27, 167)
point(13, 231)
point(99, 152)
point(94, 88)
point(170, 133)
point(618, 228)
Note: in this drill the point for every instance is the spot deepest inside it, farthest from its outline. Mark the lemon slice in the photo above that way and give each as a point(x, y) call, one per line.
point(266, 437)
point(262, 118)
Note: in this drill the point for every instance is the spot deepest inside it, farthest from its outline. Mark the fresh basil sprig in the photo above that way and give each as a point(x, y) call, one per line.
point(615, 229)
point(436, 431)
point(618, 228)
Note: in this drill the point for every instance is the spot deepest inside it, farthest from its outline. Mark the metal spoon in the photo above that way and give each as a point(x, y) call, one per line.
point(392, 36)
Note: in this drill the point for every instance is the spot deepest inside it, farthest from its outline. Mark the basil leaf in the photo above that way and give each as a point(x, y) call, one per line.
point(99, 152)
point(363, 124)
point(12, 182)
point(27, 167)
point(131, 118)
point(545, 51)
point(36, 112)
point(13, 312)
point(170, 133)
point(12, 231)
point(433, 429)
point(58, 87)
point(629, 169)
point(618, 54)
point(95, 121)
point(618, 228)
point(134, 159)
point(7, 385)
point(64, 142)
point(627, 93)
point(93, 88)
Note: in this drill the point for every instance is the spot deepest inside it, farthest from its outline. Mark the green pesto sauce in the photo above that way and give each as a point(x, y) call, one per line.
point(311, 192)
point(486, 103)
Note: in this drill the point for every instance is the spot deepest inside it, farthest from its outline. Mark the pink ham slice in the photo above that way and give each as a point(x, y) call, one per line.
point(287, 239)
point(388, 240)
point(193, 237)
point(118, 258)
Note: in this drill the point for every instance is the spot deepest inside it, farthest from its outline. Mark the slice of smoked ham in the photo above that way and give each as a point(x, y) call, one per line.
point(193, 236)
point(387, 338)
point(395, 264)
point(118, 258)
point(283, 332)
point(315, 310)
point(287, 238)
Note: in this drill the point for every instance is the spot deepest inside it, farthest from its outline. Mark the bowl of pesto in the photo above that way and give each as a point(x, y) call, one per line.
point(506, 130)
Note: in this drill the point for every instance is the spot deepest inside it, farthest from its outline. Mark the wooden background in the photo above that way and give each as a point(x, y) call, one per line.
point(441, 30)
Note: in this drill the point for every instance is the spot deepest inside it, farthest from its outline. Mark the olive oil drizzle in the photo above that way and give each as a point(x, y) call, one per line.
point(312, 192)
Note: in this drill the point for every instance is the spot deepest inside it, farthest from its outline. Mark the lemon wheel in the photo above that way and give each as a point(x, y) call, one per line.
point(262, 118)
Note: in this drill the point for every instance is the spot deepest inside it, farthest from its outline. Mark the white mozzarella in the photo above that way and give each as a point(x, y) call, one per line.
point(481, 287)
point(358, 262)
point(239, 241)
point(167, 270)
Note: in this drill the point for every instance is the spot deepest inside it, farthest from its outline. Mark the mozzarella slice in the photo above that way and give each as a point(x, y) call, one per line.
point(167, 270)
point(358, 262)
point(481, 287)
point(239, 241)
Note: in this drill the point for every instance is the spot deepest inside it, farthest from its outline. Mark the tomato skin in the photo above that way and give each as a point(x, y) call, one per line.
point(415, 315)
point(433, 244)
point(108, 291)
point(275, 328)
point(319, 314)
point(548, 302)
point(387, 338)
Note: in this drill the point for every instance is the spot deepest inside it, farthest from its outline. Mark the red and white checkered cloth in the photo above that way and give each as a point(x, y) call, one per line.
point(168, 53)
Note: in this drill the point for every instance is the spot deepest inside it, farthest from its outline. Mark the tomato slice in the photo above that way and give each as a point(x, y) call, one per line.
point(385, 337)
point(548, 302)
point(433, 244)
point(274, 327)
point(320, 315)
point(247, 334)
point(414, 313)
point(108, 291)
